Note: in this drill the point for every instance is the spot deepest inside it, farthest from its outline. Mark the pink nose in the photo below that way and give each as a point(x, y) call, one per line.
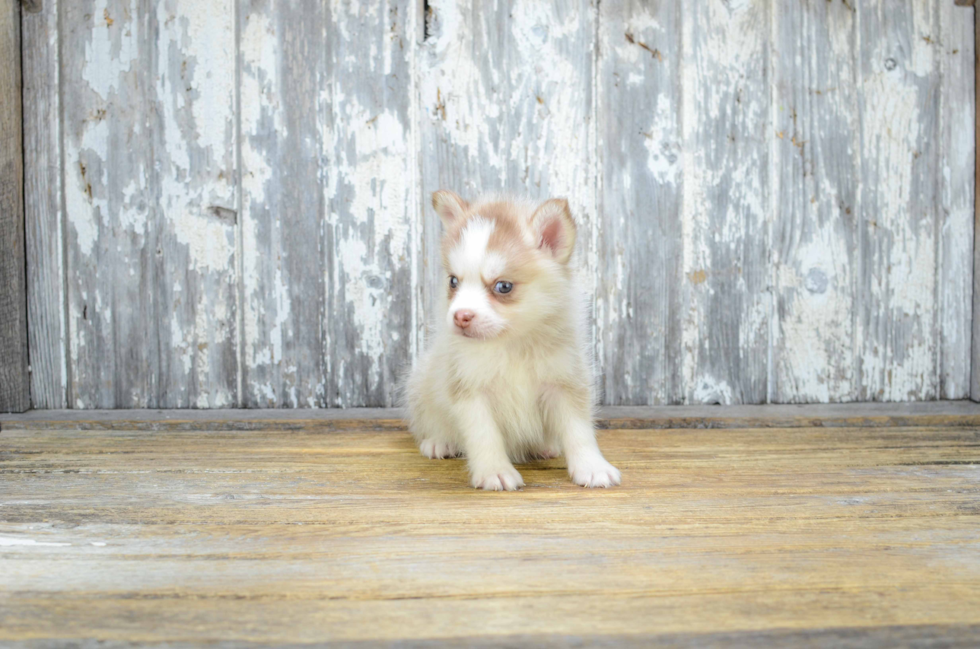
point(463, 318)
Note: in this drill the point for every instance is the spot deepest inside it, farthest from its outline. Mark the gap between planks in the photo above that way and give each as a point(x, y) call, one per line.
point(851, 415)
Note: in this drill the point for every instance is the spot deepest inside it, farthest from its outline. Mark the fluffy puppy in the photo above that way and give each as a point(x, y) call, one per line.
point(507, 376)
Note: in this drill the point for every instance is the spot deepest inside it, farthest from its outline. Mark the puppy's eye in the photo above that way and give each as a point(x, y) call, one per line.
point(503, 287)
point(453, 281)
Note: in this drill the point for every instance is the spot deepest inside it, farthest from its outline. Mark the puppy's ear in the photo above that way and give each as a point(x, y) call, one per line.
point(556, 229)
point(449, 206)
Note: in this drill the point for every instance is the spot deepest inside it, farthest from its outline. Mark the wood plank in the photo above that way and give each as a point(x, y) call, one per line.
point(726, 191)
point(372, 199)
point(14, 373)
point(639, 309)
point(949, 636)
point(281, 49)
point(43, 211)
point(958, 160)
point(507, 106)
point(149, 186)
point(847, 535)
point(329, 204)
point(815, 257)
point(975, 355)
point(949, 414)
point(898, 201)
point(193, 54)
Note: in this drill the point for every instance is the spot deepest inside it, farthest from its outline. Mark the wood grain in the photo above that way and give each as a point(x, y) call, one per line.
point(975, 350)
point(639, 309)
point(285, 537)
point(281, 50)
point(898, 202)
point(815, 254)
point(946, 414)
point(373, 261)
point(329, 203)
point(149, 183)
point(958, 161)
point(14, 378)
point(44, 215)
point(194, 154)
point(726, 192)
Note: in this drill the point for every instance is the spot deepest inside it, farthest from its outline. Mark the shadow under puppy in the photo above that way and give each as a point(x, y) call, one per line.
point(507, 376)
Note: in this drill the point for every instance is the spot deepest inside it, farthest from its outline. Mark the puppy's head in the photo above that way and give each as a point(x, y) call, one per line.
point(506, 264)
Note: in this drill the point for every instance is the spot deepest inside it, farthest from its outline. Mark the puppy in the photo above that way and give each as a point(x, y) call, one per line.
point(507, 376)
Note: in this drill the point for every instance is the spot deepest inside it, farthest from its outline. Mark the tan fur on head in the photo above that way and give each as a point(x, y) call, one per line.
point(449, 206)
point(508, 373)
point(554, 224)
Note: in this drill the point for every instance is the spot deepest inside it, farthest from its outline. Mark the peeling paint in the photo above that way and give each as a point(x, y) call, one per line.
point(774, 200)
point(724, 207)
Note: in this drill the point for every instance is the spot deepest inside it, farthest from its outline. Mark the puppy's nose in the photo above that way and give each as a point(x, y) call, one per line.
point(463, 318)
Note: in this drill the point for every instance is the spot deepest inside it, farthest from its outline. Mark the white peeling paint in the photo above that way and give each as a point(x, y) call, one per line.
point(899, 351)
point(522, 119)
point(112, 51)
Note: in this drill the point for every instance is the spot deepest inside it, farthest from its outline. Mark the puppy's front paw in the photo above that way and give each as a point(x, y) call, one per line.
point(594, 472)
point(435, 450)
point(500, 479)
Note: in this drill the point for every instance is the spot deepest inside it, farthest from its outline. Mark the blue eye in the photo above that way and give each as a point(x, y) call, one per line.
point(453, 282)
point(503, 287)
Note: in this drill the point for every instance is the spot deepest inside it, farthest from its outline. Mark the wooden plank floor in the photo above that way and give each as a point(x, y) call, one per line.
point(844, 536)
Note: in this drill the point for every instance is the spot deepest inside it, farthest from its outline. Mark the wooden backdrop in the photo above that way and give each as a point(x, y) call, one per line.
point(227, 202)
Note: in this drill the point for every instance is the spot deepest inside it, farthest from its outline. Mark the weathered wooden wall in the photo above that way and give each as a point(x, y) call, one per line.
point(227, 202)
point(14, 387)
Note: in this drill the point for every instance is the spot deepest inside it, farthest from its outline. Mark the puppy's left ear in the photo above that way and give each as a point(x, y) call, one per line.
point(556, 229)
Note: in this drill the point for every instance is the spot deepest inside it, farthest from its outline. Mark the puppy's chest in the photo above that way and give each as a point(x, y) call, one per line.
point(514, 391)
point(515, 401)
point(508, 378)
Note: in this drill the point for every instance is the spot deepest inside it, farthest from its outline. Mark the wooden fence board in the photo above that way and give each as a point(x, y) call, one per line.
point(44, 216)
point(14, 381)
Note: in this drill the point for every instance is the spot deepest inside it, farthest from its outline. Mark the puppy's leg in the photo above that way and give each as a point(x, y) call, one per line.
point(438, 447)
point(486, 453)
point(567, 418)
point(428, 419)
point(430, 426)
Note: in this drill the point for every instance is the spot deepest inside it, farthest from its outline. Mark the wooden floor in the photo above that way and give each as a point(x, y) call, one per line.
point(832, 531)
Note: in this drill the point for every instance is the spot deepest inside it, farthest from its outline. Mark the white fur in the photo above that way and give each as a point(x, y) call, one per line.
point(469, 253)
point(473, 265)
point(518, 390)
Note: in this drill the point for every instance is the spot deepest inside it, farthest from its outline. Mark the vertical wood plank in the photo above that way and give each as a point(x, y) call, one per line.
point(371, 199)
point(149, 183)
point(14, 380)
point(899, 200)
point(196, 198)
point(328, 202)
point(279, 139)
point(815, 254)
point(975, 355)
point(639, 244)
point(42, 208)
point(506, 106)
point(726, 304)
point(958, 159)
point(108, 238)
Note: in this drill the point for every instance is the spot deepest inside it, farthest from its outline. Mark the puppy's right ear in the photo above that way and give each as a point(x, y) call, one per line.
point(449, 206)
